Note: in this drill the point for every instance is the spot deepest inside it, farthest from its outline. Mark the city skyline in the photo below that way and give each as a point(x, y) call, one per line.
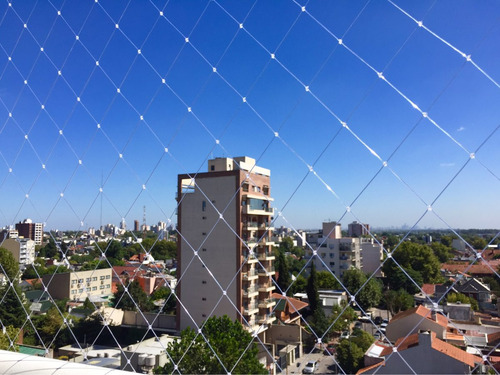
point(270, 81)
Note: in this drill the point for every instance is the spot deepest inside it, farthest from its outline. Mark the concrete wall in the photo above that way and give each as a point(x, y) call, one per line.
point(162, 321)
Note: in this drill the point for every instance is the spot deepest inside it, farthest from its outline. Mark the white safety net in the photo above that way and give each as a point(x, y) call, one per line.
point(377, 112)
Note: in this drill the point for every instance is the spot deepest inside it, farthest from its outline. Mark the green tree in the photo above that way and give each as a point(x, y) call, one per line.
point(312, 289)
point(327, 281)
point(50, 250)
point(170, 301)
point(418, 261)
point(9, 265)
point(319, 323)
point(284, 278)
point(135, 298)
point(367, 295)
point(298, 285)
point(462, 298)
point(397, 301)
point(88, 305)
point(231, 350)
point(349, 356)
point(342, 317)
point(362, 339)
point(9, 338)
point(11, 297)
point(442, 252)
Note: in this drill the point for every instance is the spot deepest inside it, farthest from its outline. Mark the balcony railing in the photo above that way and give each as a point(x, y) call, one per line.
point(250, 290)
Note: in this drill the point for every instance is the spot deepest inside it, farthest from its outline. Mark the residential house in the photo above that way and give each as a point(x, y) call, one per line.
point(423, 353)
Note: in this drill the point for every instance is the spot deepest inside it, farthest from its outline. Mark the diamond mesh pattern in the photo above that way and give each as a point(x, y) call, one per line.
point(380, 112)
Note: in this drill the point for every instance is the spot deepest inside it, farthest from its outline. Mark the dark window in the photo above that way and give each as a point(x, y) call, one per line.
point(212, 167)
point(203, 206)
point(203, 299)
point(203, 282)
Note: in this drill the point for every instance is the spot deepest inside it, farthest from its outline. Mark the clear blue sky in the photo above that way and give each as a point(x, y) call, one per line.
point(422, 158)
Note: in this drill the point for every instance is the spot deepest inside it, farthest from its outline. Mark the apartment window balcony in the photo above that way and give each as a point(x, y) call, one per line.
point(251, 308)
point(267, 255)
point(251, 291)
point(250, 225)
point(267, 271)
point(343, 257)
point(247, 258)
point(266, 287)
point(266, 319)
point(251, 275)
point(266, 303)
point(269, 211)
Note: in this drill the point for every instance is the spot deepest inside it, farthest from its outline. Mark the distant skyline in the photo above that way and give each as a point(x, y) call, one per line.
point(124, 97)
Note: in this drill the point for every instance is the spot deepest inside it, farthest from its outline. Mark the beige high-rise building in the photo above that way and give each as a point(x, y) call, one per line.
point(225, 260)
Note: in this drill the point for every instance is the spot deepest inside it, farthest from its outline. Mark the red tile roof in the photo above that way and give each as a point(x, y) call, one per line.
point(295, 304)
point(437, 344)
point(429, 289)
point(365, 369)
point(423, 312)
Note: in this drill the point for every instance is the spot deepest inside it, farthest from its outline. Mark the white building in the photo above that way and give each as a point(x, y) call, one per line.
point(23, 250)
point(338, 254)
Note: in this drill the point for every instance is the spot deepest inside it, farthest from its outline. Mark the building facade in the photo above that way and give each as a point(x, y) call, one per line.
point(23, 250)
point(225, 260)
point(28, 229)
point(338, 254)
point(356, 229)
point(77, 286)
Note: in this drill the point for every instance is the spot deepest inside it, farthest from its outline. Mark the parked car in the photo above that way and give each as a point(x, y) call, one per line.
point(330, 349)
point(358, 325)
point(344, 335)
point(377, 335)
point(378, 320)
point(309, 368)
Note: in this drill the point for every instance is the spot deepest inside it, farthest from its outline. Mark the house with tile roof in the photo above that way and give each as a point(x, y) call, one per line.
point(287, 308)
point(423, 353)
point(415, 319)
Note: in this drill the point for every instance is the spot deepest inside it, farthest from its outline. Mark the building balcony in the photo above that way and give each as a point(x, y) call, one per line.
point(266, 256)
point(251, 275)
point(266, 303)
point(268, 211)
point(266, 287)
point(347, 247)
point(250, 309)
point(250, 225)
point(249, 259)
point(267, 271)
point(266, 319)
point(251, 291)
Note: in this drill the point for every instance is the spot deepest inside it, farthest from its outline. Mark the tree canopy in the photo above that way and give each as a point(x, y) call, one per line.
point(367, 295)
point(231, 350)
point(419, 262)
point(312, 289)
point(135, 298)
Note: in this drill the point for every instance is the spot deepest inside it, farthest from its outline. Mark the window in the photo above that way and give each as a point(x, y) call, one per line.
point(265, 190)
point(80, 290)
point(94, 278)
point(88, 279)
point(212, 167)
point(204, 217)
point(332, 263)
point(245, 187)
point(204, 282)
point(203, 249)
point(94, 288)
point(332, 255)
point(203, 315)
point(80, 281)
point(108, 276)
point(101, 278)
point(323, 255)
point(108, 286)
point(203, 299)
point(204, 234)
point(203, 205)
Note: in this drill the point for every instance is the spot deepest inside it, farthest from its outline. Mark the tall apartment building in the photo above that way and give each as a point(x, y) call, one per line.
point(225, 260)
point(29, 229)
point(77, 286)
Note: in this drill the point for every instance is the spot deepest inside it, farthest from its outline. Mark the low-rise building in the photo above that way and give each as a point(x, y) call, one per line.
point(423, 353)
point(146, 355)
point(414, 320)
point(79, 285)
